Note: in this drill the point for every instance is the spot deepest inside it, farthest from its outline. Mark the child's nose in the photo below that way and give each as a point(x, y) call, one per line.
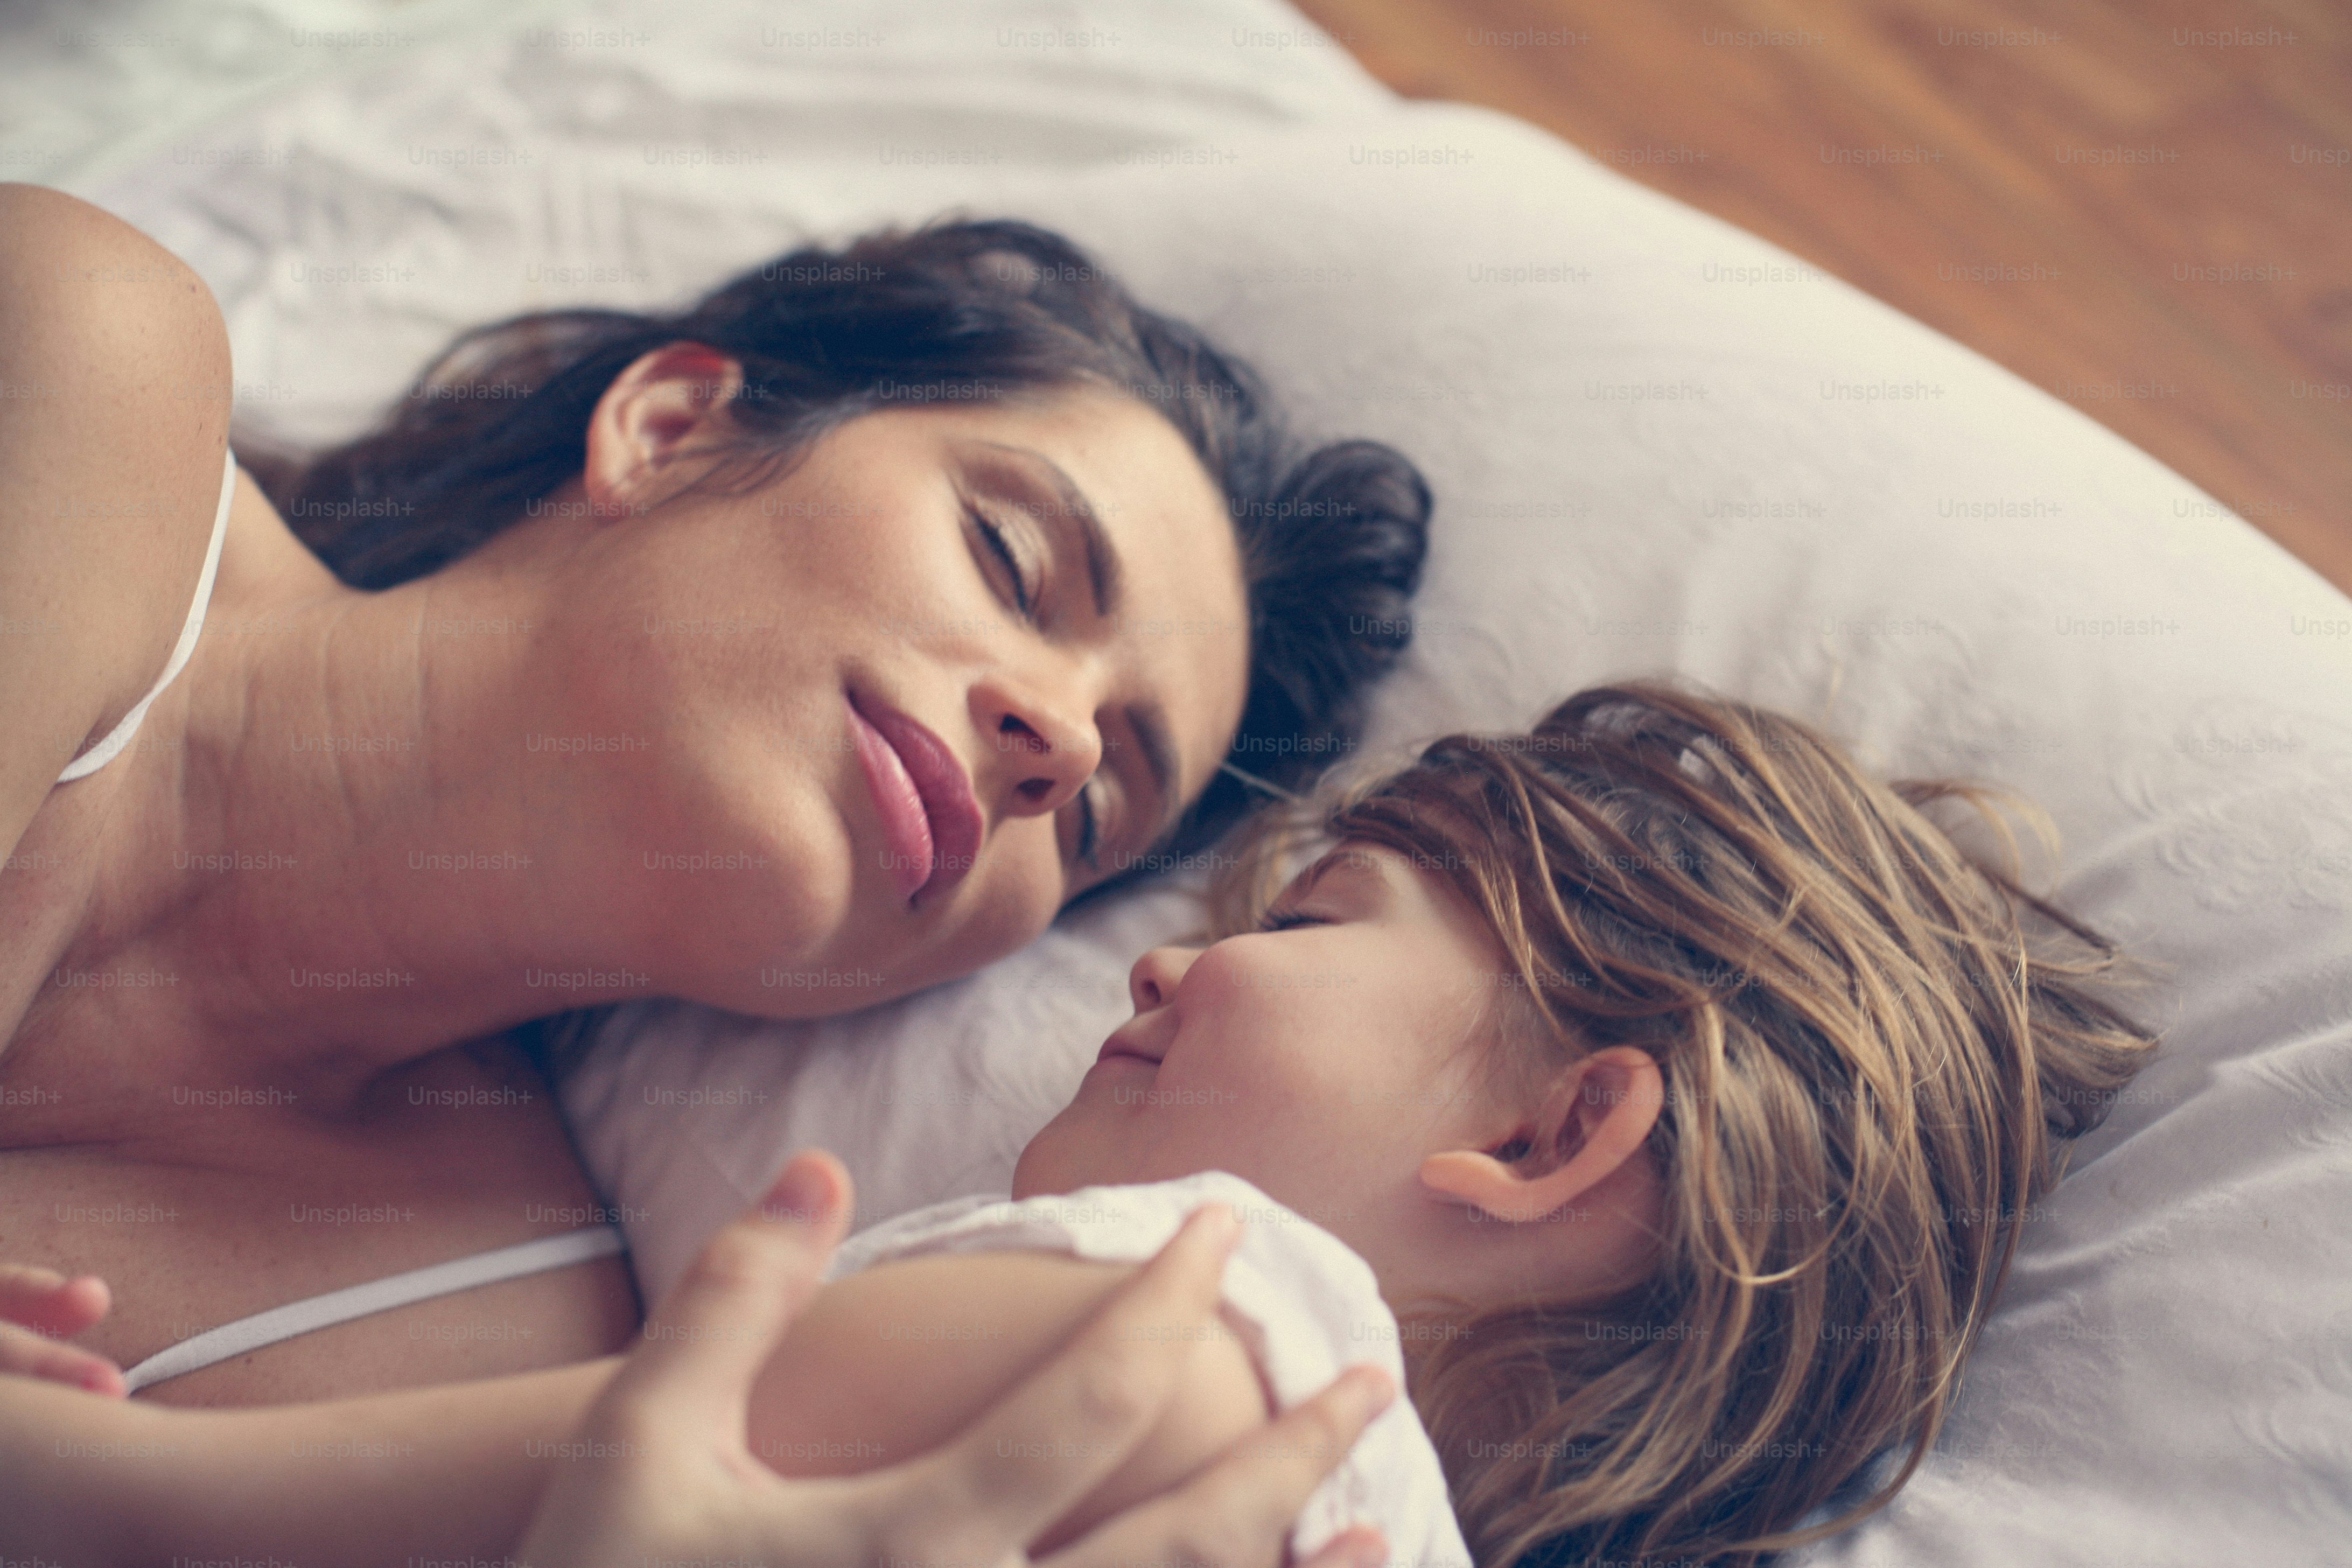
point(1156, 975)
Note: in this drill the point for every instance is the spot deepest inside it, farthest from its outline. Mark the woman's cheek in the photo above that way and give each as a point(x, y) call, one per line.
point(1018, 882)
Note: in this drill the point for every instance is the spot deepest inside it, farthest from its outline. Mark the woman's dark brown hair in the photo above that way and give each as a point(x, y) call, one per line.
point(1332, 540)
point(1874, 1049)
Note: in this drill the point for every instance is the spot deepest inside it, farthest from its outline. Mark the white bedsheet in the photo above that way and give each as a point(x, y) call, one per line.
point(1659, 445)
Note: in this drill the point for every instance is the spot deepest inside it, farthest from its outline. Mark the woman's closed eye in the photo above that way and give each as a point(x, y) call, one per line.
point(1006, 563)
point(1089, 849)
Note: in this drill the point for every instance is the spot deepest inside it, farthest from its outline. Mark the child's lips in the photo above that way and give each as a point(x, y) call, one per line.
point(1117, 1049)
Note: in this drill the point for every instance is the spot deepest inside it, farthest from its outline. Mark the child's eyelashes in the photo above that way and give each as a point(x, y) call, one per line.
point(1287, 919)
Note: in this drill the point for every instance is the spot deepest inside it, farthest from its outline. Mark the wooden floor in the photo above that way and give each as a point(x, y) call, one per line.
point(2144, 206)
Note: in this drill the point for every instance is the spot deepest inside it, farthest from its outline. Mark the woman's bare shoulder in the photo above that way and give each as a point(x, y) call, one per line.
point(114, 411)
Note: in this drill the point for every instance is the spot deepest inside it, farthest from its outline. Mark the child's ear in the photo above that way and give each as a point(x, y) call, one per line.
point(1596, 1116)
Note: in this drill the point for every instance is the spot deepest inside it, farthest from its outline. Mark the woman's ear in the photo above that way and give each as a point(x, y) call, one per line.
point(654, 411)
point(1596, 1116)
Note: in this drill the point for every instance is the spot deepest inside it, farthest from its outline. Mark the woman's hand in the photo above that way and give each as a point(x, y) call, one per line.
point(39, 1309)
point(667, 1473)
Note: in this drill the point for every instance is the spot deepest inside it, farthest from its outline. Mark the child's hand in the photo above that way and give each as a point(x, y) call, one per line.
point(39, 1309)
point(672, 1476)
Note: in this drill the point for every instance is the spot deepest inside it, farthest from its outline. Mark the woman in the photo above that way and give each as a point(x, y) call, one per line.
point(789, 654)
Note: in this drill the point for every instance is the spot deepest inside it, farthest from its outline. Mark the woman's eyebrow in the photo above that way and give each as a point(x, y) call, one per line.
point(1106, 572)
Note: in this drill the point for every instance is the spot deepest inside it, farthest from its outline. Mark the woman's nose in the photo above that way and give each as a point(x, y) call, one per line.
point(1041, 759)
point(1156, 975)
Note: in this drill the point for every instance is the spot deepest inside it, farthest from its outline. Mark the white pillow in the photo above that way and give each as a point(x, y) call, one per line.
point(1659, 445)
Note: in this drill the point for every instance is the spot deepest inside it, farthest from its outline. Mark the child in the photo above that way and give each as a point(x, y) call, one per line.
point(1662, 1093)
point(1682, 1086)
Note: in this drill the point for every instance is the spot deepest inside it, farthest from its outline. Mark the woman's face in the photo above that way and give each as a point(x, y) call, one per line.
point(867, 728)
point(1322, 1060)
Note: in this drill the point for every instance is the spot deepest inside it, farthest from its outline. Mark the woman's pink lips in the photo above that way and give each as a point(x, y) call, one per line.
point(925, 798)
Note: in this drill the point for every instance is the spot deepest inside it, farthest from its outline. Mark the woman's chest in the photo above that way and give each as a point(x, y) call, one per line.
point(250, 1205)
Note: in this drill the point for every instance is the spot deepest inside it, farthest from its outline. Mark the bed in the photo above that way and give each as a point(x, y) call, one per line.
point(1659, 445)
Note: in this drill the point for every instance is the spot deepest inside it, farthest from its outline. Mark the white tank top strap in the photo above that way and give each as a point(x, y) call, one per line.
point(316, 1313)
point(107, 750)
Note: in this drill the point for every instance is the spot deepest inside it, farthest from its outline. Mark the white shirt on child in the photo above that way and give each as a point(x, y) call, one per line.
point(1307, 1307)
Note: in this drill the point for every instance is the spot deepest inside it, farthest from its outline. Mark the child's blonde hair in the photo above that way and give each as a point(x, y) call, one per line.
point(1871, 1074)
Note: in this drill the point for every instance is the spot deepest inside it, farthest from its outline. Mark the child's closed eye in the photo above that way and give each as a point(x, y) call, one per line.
point(1286, 920)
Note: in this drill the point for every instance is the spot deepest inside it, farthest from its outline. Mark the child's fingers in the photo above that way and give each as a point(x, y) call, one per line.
point(47, 1302)
point(26, 1354)
point(704, 1347)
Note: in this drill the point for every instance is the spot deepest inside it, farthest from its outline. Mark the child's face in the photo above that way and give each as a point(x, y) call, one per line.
point(1323, 1062)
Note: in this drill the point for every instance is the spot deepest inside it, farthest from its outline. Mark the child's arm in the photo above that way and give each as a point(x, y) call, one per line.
point(881, 1367)
point(893, 1362)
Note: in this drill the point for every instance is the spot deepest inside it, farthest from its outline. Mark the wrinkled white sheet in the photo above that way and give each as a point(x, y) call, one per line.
point(1672, 449)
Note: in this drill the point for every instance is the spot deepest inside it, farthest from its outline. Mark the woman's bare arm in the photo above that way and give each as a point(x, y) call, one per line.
point(882, 1366)
point(77, 1472)
point(453, 1470)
